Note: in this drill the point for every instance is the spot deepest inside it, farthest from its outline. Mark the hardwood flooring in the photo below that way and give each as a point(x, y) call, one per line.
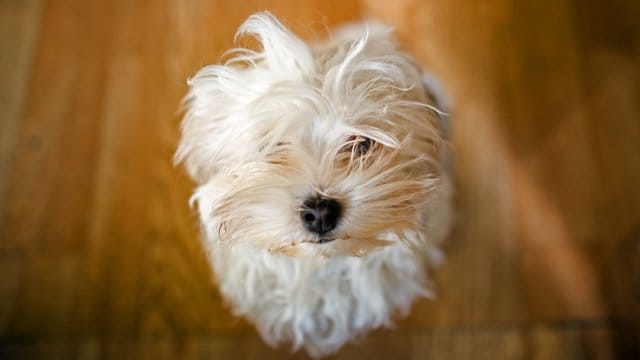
point(99, 251)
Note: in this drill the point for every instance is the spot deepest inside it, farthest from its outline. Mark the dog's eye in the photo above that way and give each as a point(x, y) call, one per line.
point(364, 145)
point(359, 145)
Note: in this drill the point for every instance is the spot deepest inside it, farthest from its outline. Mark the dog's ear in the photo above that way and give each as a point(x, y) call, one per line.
point(221, 126)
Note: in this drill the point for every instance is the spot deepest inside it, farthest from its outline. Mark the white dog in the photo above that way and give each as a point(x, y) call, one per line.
point(320, 184)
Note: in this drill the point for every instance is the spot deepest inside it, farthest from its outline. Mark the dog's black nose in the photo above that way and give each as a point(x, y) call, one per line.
point(320, 215)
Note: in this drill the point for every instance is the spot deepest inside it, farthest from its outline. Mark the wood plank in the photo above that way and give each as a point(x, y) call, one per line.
point(52, 170)
point(537, 342)
point(20, 21)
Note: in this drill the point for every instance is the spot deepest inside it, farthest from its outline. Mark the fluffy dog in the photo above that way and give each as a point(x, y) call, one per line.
point(321, 188)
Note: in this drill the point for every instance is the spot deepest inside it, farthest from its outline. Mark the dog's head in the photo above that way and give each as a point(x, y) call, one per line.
point(330, 149)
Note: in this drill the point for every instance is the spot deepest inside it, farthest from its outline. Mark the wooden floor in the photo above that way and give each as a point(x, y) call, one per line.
point(99, 252)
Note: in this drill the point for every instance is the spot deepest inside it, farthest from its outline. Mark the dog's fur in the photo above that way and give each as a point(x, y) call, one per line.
point(271, 128)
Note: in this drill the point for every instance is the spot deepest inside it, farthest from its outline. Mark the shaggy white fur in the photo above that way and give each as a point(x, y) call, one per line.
point(347, 119)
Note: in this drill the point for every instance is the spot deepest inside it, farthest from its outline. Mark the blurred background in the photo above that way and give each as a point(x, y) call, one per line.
point(99, 251)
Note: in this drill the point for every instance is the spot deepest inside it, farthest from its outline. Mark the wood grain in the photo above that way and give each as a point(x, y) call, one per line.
point(99, 252)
